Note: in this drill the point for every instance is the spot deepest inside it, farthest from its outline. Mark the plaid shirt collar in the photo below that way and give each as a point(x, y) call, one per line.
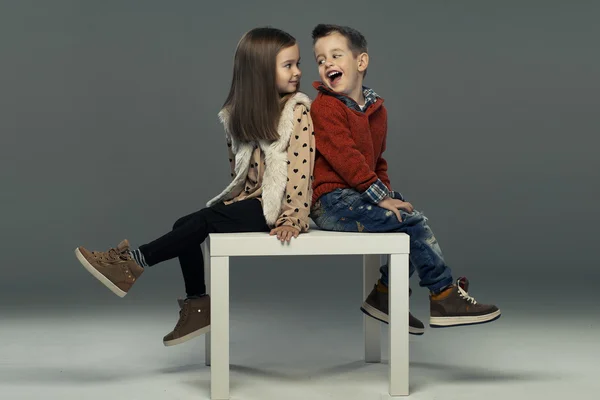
point(370, 98)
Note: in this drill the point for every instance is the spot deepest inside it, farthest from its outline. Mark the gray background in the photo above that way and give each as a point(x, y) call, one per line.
point(109, 131)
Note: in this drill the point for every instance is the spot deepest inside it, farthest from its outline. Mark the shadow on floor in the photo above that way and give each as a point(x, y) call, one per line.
point(422, 374)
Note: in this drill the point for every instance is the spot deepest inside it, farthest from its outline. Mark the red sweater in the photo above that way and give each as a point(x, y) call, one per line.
point(350, 144)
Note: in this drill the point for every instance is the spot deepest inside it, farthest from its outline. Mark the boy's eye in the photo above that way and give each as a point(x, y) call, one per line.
point(320, 62)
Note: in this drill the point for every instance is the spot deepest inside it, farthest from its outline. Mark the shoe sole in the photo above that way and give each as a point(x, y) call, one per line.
point(187, 337)
point(383, 317)
point(446, 322)
point(96, 274)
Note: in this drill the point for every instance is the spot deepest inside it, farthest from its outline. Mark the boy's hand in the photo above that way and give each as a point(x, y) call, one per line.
point(394, 205)
point(403, 205)
point(285, 233)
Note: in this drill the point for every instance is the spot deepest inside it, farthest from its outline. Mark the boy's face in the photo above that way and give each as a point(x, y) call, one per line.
point(339, 69)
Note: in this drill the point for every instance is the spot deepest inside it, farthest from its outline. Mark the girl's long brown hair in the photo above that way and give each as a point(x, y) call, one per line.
point(254, 103)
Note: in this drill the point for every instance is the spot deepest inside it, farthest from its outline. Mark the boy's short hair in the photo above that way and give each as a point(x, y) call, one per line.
point(356, 41)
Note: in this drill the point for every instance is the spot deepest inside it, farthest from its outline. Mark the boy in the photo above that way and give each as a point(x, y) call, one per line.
point(351, 187)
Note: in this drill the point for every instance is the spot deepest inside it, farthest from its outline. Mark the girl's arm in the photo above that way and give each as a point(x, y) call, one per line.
point(231, 156)
point(295, 208)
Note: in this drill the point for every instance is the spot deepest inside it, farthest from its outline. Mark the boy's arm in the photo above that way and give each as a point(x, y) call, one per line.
point(381, 167)
point(341, 152)
point(381, 171)
point(295, 208)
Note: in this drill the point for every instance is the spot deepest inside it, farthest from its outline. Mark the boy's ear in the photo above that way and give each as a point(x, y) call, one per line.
point(363, 62)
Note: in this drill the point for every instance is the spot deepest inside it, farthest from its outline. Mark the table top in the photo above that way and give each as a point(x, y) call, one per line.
point(315, 242)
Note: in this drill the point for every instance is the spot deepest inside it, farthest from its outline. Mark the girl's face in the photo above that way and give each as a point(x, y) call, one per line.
point(288, 70)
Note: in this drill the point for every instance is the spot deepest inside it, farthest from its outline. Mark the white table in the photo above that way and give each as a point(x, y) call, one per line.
point(218, 249)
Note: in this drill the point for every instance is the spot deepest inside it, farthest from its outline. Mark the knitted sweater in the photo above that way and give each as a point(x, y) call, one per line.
point(350, 144)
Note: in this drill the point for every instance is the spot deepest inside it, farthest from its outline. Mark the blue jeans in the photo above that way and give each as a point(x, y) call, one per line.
point(344, 210)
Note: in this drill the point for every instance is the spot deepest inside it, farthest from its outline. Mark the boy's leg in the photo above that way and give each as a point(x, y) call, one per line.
point(334, 211)
point(416, 327)
point(449, 304)
point(345, 210)
point(384, 271)
point(426, 257)
point(376, 304)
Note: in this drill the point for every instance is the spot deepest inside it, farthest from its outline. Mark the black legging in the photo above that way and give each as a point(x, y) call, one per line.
point(189, 233)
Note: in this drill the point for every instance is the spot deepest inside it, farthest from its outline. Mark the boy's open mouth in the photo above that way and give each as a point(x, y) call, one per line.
point(334, 76)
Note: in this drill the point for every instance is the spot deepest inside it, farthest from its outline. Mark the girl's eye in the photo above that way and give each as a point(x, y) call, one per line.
point(320, 62)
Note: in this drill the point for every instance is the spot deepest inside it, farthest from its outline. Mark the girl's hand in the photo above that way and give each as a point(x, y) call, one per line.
point(285, 233)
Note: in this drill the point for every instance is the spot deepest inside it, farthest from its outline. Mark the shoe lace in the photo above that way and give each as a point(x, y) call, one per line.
point(183, 314)
point(111, 255)
point(466, 296)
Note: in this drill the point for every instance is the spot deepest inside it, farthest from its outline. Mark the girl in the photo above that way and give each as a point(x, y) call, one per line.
point(269, 137)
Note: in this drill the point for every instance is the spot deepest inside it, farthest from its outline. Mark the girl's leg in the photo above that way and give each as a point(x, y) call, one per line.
point(191, 230)
point(118, 270)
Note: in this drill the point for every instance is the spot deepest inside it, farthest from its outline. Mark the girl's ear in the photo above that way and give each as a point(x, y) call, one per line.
point(363, 62)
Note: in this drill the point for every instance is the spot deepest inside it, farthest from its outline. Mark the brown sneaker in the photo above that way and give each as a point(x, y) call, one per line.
point(455, 307)
point(114, 268)
point(377, 306)
point(194, 320)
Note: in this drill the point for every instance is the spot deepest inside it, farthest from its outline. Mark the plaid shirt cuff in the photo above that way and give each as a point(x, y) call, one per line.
point(376, 192)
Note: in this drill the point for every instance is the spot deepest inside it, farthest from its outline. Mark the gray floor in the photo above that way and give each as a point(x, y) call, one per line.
point(112, 349)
